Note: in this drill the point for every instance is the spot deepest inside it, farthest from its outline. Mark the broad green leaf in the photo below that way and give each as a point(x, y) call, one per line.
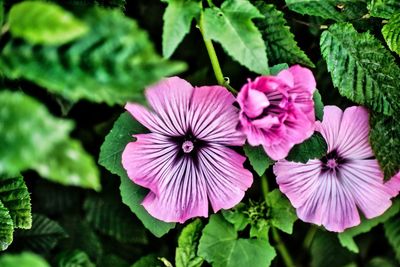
point(347, 237)
point(178, 18)
point(314, 147)
point(112, 218)
point(258, 159)
point(112, 63)
point(15, 197)
point(31, 132)
point(392, 233)
point(384, 137)
point(6, 228)
point(281, 213)
point(361, 68)
point(132, 194)
point(237, 217)
point(232, 26)
point(279, 41)
point(383, 8)
point(391, 33)
point(43, 236)
point(186, 252)
point(30, 20)
point(74, 258)
point(147, 261)
point(24, 259)
point(339, 10)
point(318, 105)
point(326, 251)
point(69, 164)
point(220, 246)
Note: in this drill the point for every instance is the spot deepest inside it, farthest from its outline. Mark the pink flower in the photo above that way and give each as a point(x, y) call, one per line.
point(185, 161)
point(330, 191)
point(278, 112)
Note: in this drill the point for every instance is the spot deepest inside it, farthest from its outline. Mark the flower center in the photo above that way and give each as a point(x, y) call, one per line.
point(331, 163)
point(187, 146)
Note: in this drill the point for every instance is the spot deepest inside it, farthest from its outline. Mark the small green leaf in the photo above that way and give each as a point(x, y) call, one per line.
point(237, 217)
point(339, 10)
point(232, 27)
point(110, 158)
point(147, 261)
point(279, 41)
point(384, 137)
point(69, 164)
point(391, 33)
point(314, 147)
point(346, 238)
point(6, 228)
point(186, 252)
point(318, 105)
point(43, 236)
point(31, 132)
point(258, 159)
point(383, 8)
point(15, 197)
point(30, 20)
point(25, 259)
point(281, 213)
point(74, 258)
point(392, 233)
point(260, 229)
point(361, 68)
point(220, 246)
point(275, 69)
point(177, 20)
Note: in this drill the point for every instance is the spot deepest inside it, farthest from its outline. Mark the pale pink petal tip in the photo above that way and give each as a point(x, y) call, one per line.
point(331, 191)
point(185, 161)
point(287, 101)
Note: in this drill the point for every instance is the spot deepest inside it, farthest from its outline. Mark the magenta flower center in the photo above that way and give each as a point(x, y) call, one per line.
point(331, 163)
point(187, 146)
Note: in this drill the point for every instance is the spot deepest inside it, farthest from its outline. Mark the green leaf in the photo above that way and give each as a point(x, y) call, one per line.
point(346, 238)
point(237, 217)
point(6, 228)
point(392, 233)
point(260, 229)
point(114, 219)
point(391, 33)
point(383, 8)
point(43, 236)
point(29, 127)
point(314, 147)
point(339, 10)
point(281, 213)
point(326, 251)
point(362, 69)
point(177, 21)
point(15, 197)
point(275, 69)
point(30, 20)
point(25, 259)
point(74, 258)
point(220, 246)
point(132, 194)
point(381, 262)
point(147, 261)
point(232, 27)
point(186, 252)
point(69, 164)
point(258, 159)
point(318, 105)
point(279, 41)
point(384, 137)
point(112, 63)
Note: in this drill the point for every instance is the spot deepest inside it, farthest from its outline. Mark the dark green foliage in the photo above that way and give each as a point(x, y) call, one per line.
point(361, 68)
point(383, 8)
point(75, 258)
point(279, 41)
point(391, 33)
point(6, 228)
point(392, 232)
point(314, 147)
point(258, 159)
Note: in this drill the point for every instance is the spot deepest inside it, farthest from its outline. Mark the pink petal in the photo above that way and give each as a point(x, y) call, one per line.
point(225, 176)
point(286, 76)
point(352, 140)
point(330, 125)
point(280, 150)
point(255, 103)
point(212, 116)
point(364, 179)
point(303, 79)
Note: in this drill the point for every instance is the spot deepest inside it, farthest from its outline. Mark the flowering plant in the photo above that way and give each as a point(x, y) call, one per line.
point(228, 133)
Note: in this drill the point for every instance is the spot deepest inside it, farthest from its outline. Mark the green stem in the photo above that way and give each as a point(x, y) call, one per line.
point(309, 237)
point(213, 57)
point(280, 246)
